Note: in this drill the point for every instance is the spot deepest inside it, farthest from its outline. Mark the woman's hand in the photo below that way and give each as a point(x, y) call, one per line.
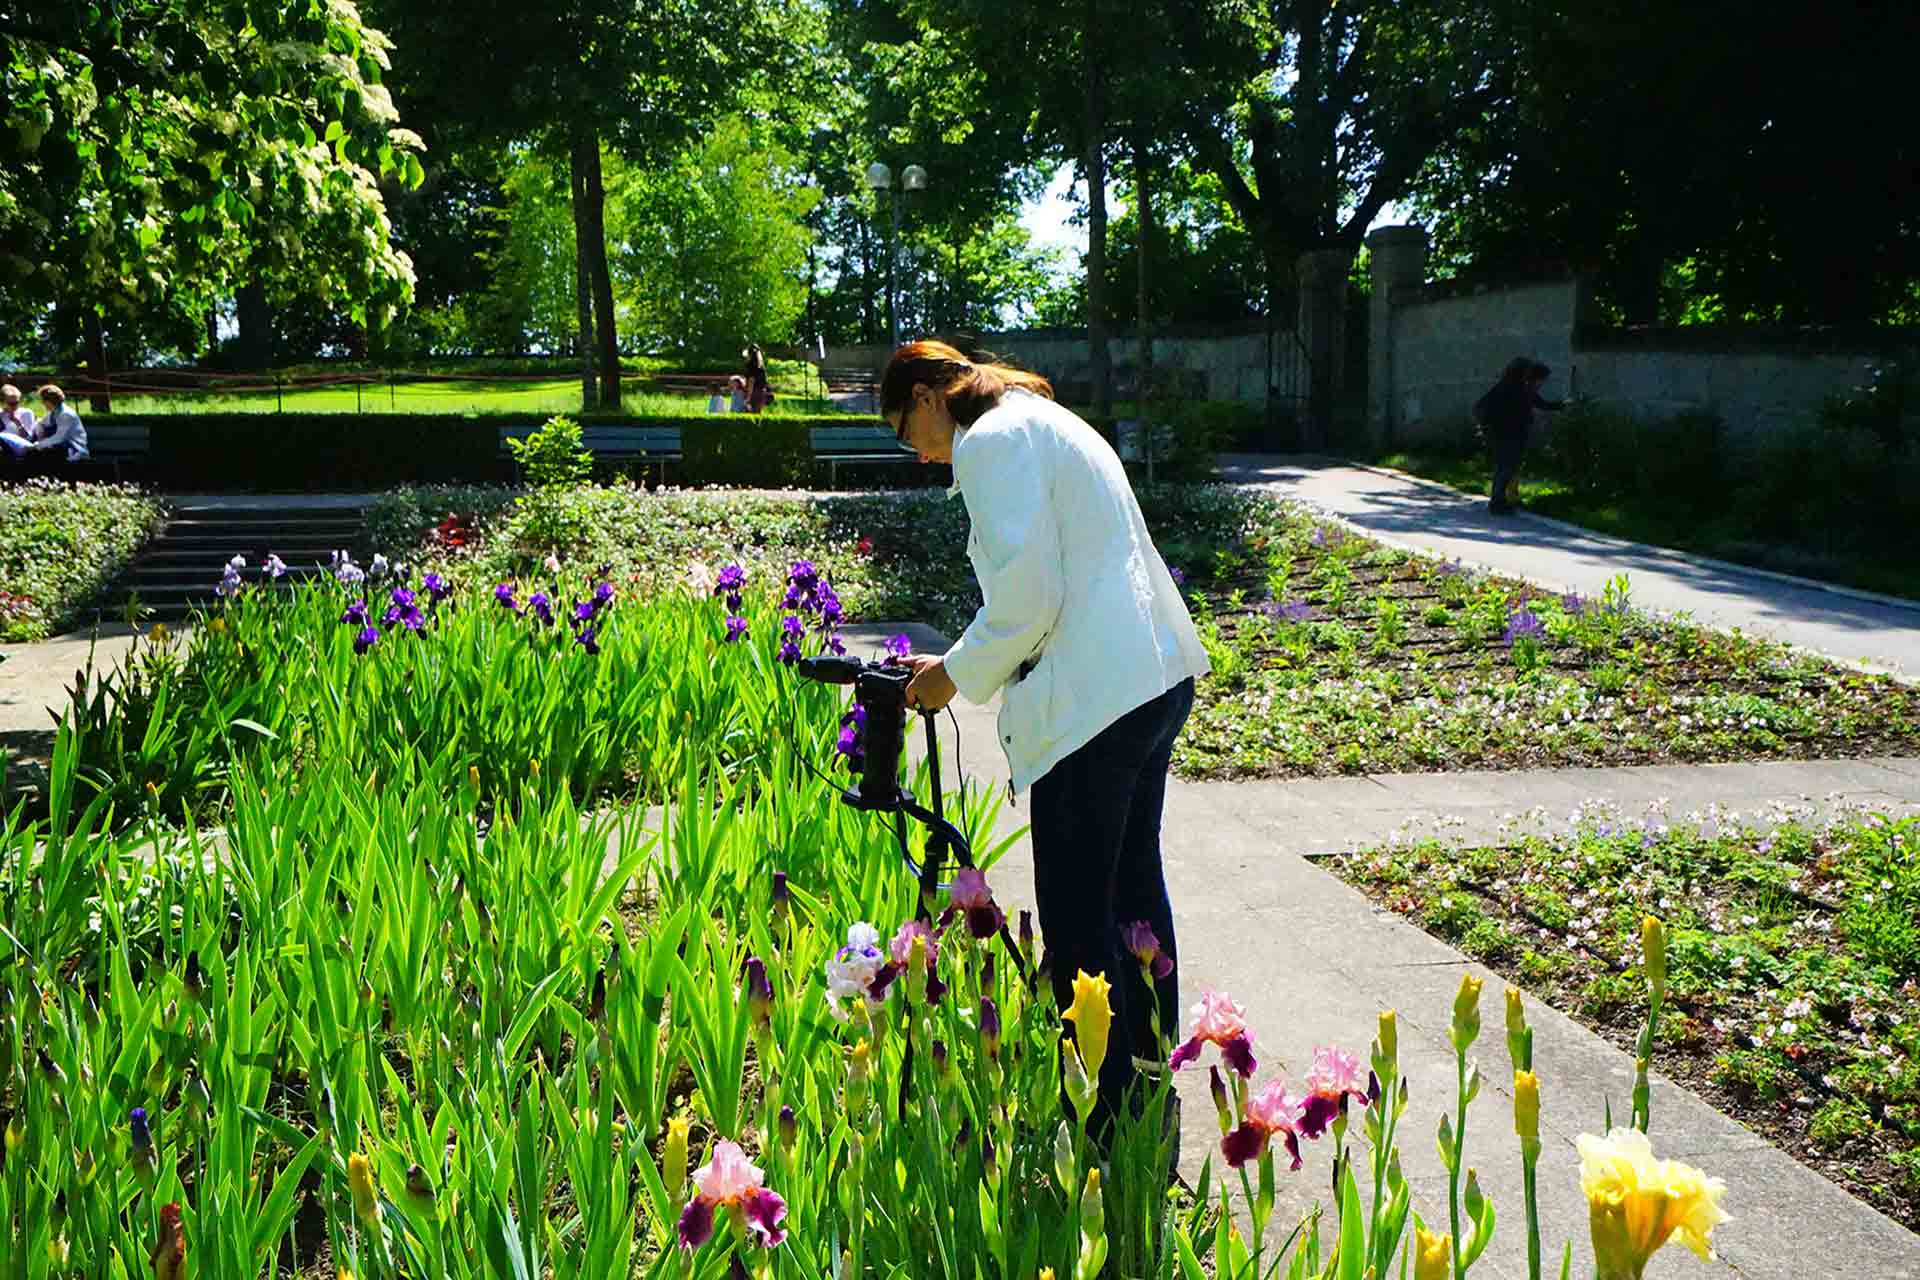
point(931, 687)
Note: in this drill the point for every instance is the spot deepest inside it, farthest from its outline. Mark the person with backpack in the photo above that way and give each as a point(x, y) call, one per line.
point(1506, 411)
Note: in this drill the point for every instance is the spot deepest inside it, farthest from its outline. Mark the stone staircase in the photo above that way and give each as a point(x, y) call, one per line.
point(182, 566)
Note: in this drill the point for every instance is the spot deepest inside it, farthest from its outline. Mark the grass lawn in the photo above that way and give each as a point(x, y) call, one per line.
point(474, 395)
point(1331, 654)
point(1693, 527)
point(1794, 960)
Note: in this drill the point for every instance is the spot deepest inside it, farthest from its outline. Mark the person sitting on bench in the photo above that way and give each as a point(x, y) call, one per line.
point(17, 424)
point(61, 428)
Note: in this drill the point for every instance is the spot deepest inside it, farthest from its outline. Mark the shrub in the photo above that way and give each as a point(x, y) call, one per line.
point(63, 543)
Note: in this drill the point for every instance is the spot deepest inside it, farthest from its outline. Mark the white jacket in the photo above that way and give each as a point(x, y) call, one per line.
point(1070, 576)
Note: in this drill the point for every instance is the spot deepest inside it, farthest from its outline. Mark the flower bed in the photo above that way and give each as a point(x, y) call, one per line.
point(63, 543)
point(1331, 653)
point(1334, 654)
point(1794, 962)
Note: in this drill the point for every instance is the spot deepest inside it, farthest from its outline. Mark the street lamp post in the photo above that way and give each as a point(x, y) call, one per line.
point(880, 179)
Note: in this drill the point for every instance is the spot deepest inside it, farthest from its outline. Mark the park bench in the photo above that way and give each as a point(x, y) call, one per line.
point(851, 445)
point(109, 447)
point(647, 445)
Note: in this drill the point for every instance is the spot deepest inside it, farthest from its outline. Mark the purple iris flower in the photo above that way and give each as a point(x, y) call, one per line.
point(803, 575)
point(368, 637)
point(142, 1135)
point(276, 567)
point(1178, 575)
point(588, 639)
point(542, 607)
point(899, 646)
point(408, 616)
point(1573, 603)
point(829, 605)
point(789, 652)
point(584, 610)
point(835, 648)
point(437, 587)
point(402, 598)
point(730, 580)
point(852, 743)
point(793, 627)
point(1524, 625)
point(733, 603)
point(1291, 611)
point(503, 596)
point(736, 627)
point(794, 599)
point(603, 595)
point(356, 614)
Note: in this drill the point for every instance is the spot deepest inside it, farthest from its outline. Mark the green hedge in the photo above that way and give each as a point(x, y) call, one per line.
point(306, 453)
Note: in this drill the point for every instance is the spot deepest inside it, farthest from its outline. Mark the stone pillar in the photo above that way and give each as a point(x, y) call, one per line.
point(1322, 332)
point(1398, 257)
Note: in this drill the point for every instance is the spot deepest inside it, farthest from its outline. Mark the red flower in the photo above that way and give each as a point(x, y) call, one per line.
point(865, 545)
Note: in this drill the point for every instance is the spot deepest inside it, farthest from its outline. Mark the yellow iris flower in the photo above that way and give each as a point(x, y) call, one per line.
point(1092, 1018)
point(1433, 1255)
point(1636, 1203)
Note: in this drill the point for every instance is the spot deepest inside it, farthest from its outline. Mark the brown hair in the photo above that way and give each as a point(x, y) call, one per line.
point(53, 393)
point(970, 389)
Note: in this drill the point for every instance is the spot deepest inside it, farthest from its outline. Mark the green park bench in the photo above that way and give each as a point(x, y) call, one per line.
point(836, 446)
point(647, 445)
point(109, 448)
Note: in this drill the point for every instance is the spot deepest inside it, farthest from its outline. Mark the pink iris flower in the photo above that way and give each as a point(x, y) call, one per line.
point(1269, 1112)
point(731, 1181)
point(1331, 1081)
point(1219, 1021)
point(1145, 946)
point(902, 945)
point(972, 897)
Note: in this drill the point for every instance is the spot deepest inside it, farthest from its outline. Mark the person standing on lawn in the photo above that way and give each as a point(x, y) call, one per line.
point(1506, 411)
point(759, 393)
point(1087, 641)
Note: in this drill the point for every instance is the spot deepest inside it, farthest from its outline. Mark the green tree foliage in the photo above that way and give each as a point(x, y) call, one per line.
point(529, 301)
point(1737, 161)
point(644, 79)
point(155, 153)
point(712, 248)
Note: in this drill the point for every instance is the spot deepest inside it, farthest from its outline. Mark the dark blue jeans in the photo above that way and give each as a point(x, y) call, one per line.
point(1096, 868)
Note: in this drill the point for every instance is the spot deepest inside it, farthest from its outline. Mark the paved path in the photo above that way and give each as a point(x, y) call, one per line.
point(1417, 514)
point(35, 676)
point(1314, 960)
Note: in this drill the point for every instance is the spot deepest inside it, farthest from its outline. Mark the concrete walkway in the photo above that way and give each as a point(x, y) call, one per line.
point(1314, 961)
point(1876, 631)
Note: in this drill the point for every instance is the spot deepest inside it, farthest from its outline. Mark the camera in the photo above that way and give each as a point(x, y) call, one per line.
point(881, 689)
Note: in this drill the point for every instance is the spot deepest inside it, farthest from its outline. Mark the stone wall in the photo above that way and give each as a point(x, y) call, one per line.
point(1435, 351)
point(1225, 367)
point(1445, 352)
point(1755, 393)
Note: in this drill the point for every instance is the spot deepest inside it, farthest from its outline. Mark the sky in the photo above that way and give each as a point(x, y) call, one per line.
point(1045, 218)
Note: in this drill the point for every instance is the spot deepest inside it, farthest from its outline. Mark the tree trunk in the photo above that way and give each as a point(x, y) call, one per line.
point(213, 330)
point(1143, 254)
point(866, 283)
point(582, 283)
point(1100, 361)
point(102, 400)
point(590, 229)
point(255, 344)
